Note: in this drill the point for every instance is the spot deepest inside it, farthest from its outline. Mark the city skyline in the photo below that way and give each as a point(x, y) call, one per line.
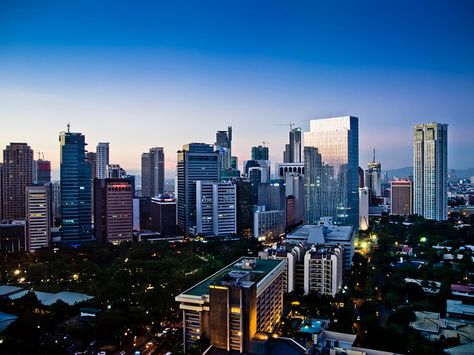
point(168, 70)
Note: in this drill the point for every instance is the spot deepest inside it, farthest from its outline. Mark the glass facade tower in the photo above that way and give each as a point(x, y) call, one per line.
point(76, 204)
point(331, 150)
point(196, 161)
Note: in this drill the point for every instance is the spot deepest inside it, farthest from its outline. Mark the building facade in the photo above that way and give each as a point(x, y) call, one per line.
point(153, 172)
point(364, 208)
point(102, 157)
point(38, 217)
point(76, 195)
point(401, 197)
point(233, 306)
point(323, 270)
point(196, 161)
point(163, 215)
point(260, 153)
point(268, 225)
point(17, 174)
point(331, 170)
point(430, 170)
point(292, 153)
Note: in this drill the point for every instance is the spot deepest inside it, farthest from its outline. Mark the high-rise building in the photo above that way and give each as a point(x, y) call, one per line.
point(292, 153)
point(76, 196)
point(153, 172)
point(331, 170)
point(401, 197)
point(281, 169)
point(323, 267)
point(38, 217)
point(113, 210)
point(224, 147)
point(196, 161)
point(260, 153)
point(373, 178)
point(102, 160)
point(163, 215)
point(245, 202)
point(41, 171)
point(216, 211)
point(294, 186)
point(17, 174)
point(232, 306)
point(268, 225)
point(430, 170)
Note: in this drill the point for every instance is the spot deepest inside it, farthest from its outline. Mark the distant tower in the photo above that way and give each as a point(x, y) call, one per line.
point(401, 197)
point(292, 153)
point(260, 153)
point(224, 147)
point(102, 160)
point(430, 170)
point(38, 216)
point(76, 204)
point(153, 172)
point(17, 174)
point(373, 178)
point(196, 161)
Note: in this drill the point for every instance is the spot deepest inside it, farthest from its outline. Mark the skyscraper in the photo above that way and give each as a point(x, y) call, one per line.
point(38, 215)
point(102, 160)
point(373, 178)
point(196, 161)
point(153, 172)
point(224, 147)
point(41, 171)
point(17, 174)
point(76, 206)
point(292, 153)
point(430, 170)
point(331, 170)
point(260, 153)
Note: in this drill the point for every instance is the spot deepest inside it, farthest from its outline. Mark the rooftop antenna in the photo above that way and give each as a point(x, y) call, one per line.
point(39, 155)
point(287, 124)
point(263, 143)
point(69, 127)
point(374, 156)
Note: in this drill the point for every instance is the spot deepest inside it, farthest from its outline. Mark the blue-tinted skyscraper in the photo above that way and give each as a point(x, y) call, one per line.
point(76, 206)
point(196, 161)
point(332, 170)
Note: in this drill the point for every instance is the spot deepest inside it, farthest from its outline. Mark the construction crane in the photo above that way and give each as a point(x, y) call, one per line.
point(287, 124)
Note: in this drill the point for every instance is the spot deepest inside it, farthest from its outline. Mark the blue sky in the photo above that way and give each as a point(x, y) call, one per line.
point(140, 74)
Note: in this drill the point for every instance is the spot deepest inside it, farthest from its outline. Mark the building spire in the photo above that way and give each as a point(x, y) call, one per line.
point(69, 127)
point(374, 156)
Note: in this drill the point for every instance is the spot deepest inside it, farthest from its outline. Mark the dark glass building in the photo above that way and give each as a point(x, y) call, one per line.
point(76, 196)
point(260, 153)
point(196, 161)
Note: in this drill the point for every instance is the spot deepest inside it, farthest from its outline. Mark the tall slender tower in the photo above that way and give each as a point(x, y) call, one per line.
point(76, 204)
point(430, 170)
point(196, 161)
point(332, 170)
point(373, 178)
point(292, 153)
point(17, 174)
point(224, 147)
point(102, 160)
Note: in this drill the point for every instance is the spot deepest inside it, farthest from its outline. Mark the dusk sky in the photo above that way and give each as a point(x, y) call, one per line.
point(140, 74)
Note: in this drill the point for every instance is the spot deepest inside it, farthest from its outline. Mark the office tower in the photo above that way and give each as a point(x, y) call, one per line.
point(245, 202)
point(196, 161)
point(216, 211)
point(234, 163)
point(373, 178)
point(146, 172)
point(41, 171)
point(163, 215)
point(363, 208)
point(294, 186)
point(12, 237)
point(17, 174)
point(323, 267)
point(38, 217)
point(260, 153)
point(430, 170)
point(401, 197)
point(292, 153)
point(102, 160)
point(230, 307)
point(224, 147)
point(76, 195)
point(56, 205)
point(290, 211)
point(153, 172)
point(331, 170)
point(113, 212)
point(268, 226)
point(114, 171)
point(91, 159)
point(361, 178)
point(271, 194)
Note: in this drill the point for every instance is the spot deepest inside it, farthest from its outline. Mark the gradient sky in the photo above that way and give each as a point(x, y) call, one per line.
point(139, 74)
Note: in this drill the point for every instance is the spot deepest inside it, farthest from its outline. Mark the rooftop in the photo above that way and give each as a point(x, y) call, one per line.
point(319, 234)
point(258, 272)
